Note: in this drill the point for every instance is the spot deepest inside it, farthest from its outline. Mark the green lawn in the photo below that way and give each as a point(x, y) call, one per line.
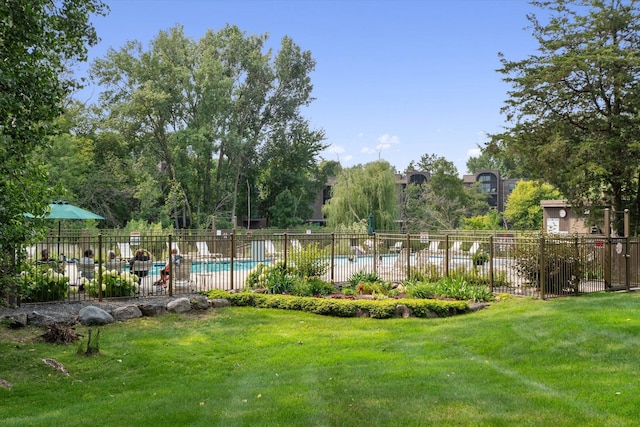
point(569, 361)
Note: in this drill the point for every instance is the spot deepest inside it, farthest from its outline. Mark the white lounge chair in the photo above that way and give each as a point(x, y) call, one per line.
point(203, 251)
point(296, 246)
point(397, 247)
point(455, 247)
point(270, 249)
point(182, 273)
point(125, 251)
point(434, 246)
point(474, 248)
point(87, 270)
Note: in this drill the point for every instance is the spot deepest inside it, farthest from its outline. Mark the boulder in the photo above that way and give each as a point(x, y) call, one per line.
point(220, 302)
point(39, 319)
point(16, 320)
point(403, 311)
point(127, 312)
point(92, 315)
point(199, 302)
point(180, 305)
point(152, 309)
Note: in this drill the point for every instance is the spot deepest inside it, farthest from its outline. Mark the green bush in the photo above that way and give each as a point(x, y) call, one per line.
point(40, 283)
point(562, 266)
point(479, 258)
point(310, 261)
point(114, 284)
point(344, 307)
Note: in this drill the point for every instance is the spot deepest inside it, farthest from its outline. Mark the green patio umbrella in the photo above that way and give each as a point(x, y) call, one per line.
point(64, 210)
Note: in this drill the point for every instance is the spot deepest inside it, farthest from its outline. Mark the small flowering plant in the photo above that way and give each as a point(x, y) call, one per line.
point(114, 284)
point(40, 283)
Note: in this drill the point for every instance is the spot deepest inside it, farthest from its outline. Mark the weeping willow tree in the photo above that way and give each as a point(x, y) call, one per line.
point(360, 191)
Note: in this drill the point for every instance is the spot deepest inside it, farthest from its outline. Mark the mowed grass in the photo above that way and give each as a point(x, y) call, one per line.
point(569, 362)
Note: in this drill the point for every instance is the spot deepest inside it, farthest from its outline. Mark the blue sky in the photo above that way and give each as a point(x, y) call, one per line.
point(394, 79)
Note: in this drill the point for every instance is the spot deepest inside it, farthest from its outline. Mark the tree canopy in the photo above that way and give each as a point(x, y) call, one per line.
point(209, 123)
point(39, 40)
point(573, 106)
point(361, 191)
point(523, 210)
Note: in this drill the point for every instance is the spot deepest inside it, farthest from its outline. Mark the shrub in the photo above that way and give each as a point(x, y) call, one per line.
point(310, 261)
point(480, 258)
point(562, 266)
point(40, 283)
point(114, 284)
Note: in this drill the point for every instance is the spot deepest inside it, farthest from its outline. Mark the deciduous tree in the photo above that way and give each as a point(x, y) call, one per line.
point(574, 104)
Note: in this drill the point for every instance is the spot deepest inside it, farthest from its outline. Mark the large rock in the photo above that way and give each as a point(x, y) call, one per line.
point(403, 311)
point(92, 315)
point(40, 319)
point(180, 305)
point(199, 302)
point(156, 309)
point(220, 302)
point(16, 320)
point(127, 312)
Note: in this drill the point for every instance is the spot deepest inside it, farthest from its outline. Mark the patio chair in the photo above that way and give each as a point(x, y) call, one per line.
point(182, 273)
point(270, 249)
point(142, 269)
point(396, 248)
point(434, 246)
point(87, 270)
point(474, 248)
point(296, 246)
point(203, 251)
point(114, 265)
point(455, 247)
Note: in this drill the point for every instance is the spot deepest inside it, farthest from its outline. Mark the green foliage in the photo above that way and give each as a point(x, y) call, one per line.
point(114, 284)
point(39, 40)
point(570, 101)
point(479, 258)
point(310, 260)
point(313, 287)
point(523, 209)
point(562, 265)
point(450, 287)
point(378, 309)
point(40, 283)
point(368, 284)
point(363, 190)
point(492, 220)
point(276, 278)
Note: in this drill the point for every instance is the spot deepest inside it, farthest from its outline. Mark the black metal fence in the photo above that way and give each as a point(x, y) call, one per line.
point(508, 263)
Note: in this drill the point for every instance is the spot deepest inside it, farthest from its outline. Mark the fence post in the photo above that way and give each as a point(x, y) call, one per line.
point(446, 255)
point(491, 254)
point(99, 265)
point(607, 250)
point(333, 255)
point(408, 275)
point(233, 253)
point(286, 249)
point(170, 266)
point(541, 266)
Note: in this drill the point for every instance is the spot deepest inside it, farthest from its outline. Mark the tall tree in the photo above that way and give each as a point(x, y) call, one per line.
point(363, 190)
point(443, 201)
point(39, 40)
point(574, 104)
point(523, 210)
point(203, 117)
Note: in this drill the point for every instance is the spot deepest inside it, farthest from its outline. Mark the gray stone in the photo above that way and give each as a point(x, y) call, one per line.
point(92, 315)
point(180, 305)
point(152, 309)
point(199, 302)
point(39, 319)
point(16, 320)
point(127, 312)
point(403, 311)
point(220, 302)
